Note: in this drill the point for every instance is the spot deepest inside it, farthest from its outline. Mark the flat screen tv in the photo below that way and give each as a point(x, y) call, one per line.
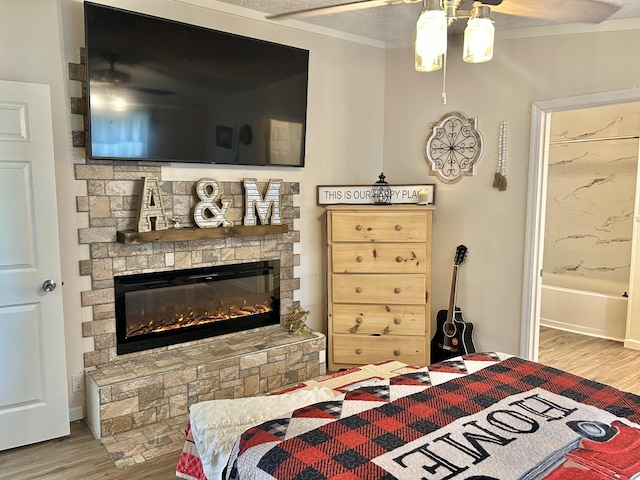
point(161, 90)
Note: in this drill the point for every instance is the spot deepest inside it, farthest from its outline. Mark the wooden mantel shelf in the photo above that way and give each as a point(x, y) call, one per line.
point(184, 234)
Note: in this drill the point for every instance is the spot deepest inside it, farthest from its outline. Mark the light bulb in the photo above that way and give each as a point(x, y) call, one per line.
point(96, 101)
point(119, 104)
point(478, 40)
point(428, 64)
point(431, 33)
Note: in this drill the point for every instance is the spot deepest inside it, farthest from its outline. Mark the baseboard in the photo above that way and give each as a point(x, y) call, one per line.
point(76, 413)
point(572, 328)
point(632, 344)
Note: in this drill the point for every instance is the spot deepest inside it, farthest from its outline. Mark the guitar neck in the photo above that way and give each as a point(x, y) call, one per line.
point(452, 296)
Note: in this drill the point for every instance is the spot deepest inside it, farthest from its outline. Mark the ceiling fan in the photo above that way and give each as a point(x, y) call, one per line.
point(438, 15)
point(112, 77)
point(563, 11)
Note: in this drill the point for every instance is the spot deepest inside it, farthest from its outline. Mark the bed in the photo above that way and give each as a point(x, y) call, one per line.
point(482, 416)
point(205, 416)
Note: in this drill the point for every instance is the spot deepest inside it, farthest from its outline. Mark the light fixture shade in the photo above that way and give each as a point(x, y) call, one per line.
point(478, 40)
point(428, 64)
point(431, 33)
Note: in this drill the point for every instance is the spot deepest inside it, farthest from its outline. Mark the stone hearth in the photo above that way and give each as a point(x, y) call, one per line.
point(140, 389)
point(139, 404)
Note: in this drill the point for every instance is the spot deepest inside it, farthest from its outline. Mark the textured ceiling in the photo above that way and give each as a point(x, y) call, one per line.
point(389, 23)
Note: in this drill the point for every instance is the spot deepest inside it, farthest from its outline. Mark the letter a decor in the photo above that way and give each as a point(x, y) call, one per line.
point(151, 215)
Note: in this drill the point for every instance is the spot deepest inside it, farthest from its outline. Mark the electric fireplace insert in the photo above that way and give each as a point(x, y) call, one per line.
point(165, 308)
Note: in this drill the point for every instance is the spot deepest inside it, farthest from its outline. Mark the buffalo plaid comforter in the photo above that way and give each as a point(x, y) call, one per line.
point(483, 416)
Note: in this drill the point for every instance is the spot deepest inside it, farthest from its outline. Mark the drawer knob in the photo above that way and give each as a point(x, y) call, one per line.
point(358, 228)
point(396, 290)
point(354, 329)
point(358, 351)
point(397, 320)
point(359, 259)
point(396, 353)
point(398, 228)
point(358, 320)
point(398, 259)
point(358, 289)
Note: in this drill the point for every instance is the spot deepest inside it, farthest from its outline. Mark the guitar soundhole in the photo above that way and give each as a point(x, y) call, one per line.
point(449, 329)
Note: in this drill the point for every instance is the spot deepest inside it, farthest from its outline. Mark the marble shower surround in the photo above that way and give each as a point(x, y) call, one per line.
point(591, 189)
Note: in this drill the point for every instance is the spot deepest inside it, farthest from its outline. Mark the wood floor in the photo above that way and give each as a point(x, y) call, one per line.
point(601, 360)
point(78, 457)
point(81, 457)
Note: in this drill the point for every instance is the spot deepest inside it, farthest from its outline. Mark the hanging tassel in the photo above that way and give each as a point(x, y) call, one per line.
point(503, 183)
point(499, 178)
point(496, 179)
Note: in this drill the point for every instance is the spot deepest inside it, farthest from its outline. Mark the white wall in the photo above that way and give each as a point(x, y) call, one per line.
point(30, 51)
point(489, 222)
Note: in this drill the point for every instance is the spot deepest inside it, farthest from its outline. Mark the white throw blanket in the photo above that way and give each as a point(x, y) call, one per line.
point(216, 424)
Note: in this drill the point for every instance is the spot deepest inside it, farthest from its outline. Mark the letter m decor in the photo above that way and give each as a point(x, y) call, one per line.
point(255, 202)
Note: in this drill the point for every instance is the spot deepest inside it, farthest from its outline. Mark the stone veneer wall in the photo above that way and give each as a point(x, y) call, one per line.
point(111, 204)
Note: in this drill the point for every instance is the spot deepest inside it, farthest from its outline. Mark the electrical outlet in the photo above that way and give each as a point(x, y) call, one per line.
point(77, 382)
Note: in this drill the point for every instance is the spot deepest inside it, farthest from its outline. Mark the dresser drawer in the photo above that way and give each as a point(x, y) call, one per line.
point(377, 227)
point(378, 319)
point(378, 258)
point(360, 349)
point(407, 289)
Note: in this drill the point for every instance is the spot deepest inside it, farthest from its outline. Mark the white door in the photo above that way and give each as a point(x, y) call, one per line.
point(33, 387)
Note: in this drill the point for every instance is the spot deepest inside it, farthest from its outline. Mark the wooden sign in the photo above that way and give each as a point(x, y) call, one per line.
point(361, 194)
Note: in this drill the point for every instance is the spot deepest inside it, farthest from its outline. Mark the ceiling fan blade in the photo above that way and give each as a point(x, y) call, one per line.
point(151, 91)
point(345, 7)
point(565, 11)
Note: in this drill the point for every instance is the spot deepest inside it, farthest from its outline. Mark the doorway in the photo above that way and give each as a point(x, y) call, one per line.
point(588, 227)
point(541, 139)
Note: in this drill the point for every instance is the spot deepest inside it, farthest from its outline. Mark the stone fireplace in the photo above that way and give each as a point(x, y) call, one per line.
point(134, 390)
point(111, 207)
point(151, 390)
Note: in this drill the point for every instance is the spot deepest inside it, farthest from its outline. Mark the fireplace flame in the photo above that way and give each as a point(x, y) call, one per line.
point(192, 319)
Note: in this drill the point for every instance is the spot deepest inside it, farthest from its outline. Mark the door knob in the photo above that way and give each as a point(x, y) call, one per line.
point(49, 285)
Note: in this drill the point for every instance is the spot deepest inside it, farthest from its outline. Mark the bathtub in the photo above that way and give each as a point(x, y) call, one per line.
point(582, 305)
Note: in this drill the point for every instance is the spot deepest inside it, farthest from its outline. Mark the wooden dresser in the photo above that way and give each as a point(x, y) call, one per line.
point(379, 284)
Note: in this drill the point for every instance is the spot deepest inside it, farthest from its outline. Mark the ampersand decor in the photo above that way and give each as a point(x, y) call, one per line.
point(453, 148)
point(209, 211)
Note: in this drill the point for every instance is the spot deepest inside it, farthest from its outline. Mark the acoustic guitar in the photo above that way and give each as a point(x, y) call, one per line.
point(453, 335)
